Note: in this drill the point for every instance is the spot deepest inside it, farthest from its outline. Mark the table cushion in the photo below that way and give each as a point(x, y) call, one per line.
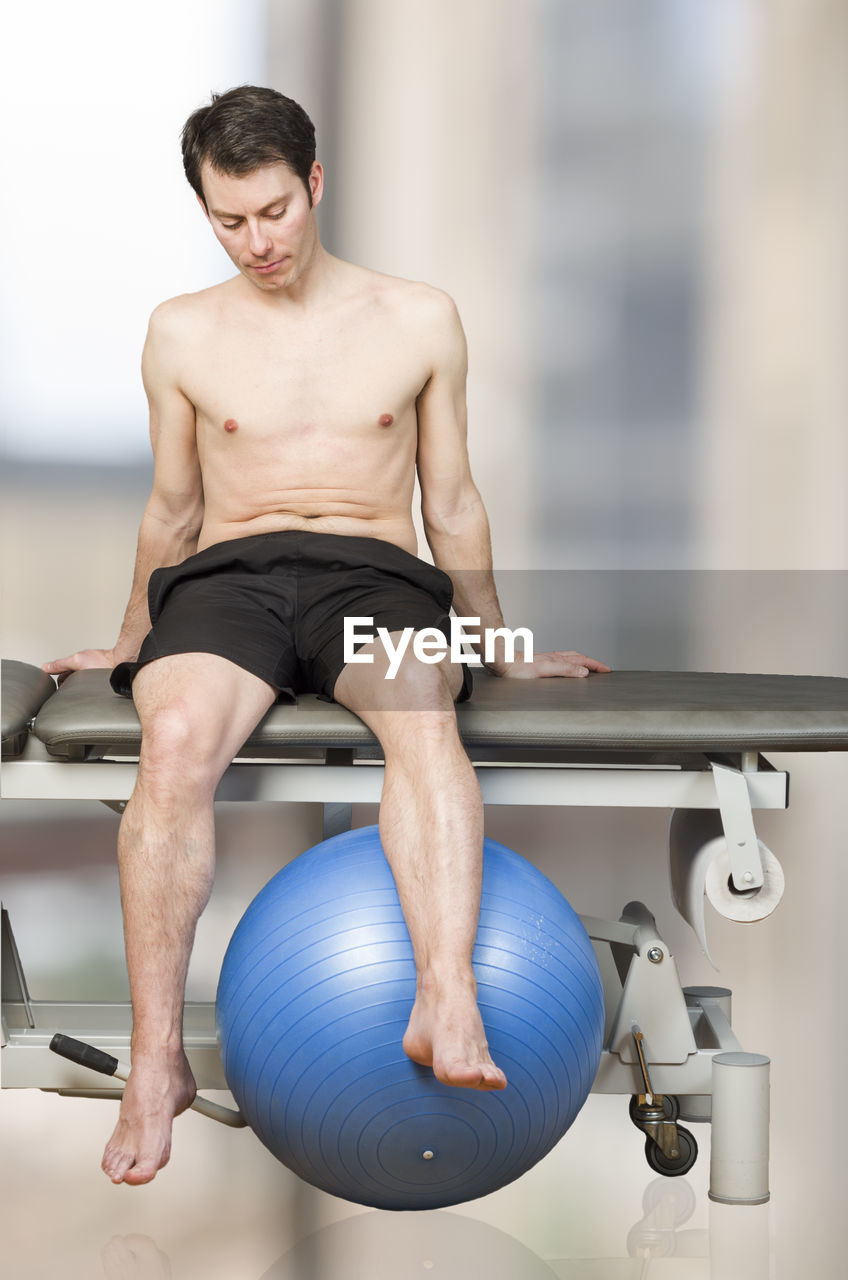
point(24, 689)
point(633, 711)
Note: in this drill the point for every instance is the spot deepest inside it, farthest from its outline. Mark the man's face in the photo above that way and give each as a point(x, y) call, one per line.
point(264, 221)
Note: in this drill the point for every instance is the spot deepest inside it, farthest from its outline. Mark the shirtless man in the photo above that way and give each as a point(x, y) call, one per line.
point(289, 409)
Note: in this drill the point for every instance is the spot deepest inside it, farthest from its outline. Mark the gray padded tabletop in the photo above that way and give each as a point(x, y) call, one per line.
point(633, 711)
point(25, 688)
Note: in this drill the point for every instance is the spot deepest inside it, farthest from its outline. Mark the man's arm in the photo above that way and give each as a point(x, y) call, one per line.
point(455, 521)
point(174, 513)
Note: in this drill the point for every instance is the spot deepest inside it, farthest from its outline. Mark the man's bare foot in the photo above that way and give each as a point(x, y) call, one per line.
point(157, 1090)
point(446, 1033)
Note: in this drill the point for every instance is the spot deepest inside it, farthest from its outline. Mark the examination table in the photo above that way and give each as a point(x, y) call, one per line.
point(688, 742)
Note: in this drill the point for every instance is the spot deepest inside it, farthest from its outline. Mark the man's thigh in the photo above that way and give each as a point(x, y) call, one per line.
point(234, 601)
point(200, 701)
point(354, 585)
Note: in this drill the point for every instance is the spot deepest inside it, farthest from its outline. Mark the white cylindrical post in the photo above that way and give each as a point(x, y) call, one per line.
point(740, 1129)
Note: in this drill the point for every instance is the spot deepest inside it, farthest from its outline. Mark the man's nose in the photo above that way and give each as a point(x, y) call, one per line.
point(258, 239)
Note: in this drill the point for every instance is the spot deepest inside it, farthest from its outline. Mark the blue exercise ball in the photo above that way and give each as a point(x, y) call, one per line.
point(314, 996)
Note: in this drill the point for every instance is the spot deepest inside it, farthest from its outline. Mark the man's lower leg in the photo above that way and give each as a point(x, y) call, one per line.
point(196, 710)
point(433, 838)
point(431, 827)
point(166, 877)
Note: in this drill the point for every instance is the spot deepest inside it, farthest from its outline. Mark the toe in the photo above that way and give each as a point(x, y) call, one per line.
point(115, 1165)
point(493, 1080)
point(142, 1172)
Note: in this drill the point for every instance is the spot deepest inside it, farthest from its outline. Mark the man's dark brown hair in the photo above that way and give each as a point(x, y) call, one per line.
point(244, 129)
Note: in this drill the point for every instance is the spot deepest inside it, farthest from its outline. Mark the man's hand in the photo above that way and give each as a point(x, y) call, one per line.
point(560, 663)
point(62, 667)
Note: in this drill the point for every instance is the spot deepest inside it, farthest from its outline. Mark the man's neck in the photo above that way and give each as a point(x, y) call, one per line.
point(311, 283)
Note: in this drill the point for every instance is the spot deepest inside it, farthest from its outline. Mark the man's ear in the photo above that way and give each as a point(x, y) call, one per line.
point(316, 183)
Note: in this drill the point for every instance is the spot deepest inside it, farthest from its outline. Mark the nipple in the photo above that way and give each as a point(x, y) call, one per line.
point(231, 425)
point(386, 419)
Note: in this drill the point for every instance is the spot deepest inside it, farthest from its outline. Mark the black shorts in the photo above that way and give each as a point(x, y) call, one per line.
point(275, 604)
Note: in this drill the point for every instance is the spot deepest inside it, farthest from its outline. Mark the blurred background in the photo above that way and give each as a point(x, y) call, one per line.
point(641, 212)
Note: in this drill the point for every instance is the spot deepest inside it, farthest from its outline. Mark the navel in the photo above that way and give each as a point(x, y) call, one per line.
point(231, 425)
point(386, 419)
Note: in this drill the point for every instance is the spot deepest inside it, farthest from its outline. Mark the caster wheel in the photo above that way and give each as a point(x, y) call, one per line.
point(661, 1163)
point(671, 1108)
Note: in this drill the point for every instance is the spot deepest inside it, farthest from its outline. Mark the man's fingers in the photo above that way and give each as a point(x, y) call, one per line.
point(582, 661)
point(74, 662)
point(59, 667)
point(558, 663)
point(80, 661)
point(561, 664)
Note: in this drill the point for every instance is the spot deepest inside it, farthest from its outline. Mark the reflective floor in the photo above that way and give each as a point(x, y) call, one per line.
point(224, 1208)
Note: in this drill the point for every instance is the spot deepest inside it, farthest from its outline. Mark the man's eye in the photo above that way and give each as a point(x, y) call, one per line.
point(231, 226)
point(275, 217)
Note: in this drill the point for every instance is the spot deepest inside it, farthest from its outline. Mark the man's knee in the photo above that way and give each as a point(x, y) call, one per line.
point(178, 750)
point(422, 686)
point(417, 717)
point(169, 731)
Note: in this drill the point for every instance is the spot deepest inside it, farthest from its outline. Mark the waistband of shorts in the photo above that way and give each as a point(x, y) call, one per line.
point(318, 546)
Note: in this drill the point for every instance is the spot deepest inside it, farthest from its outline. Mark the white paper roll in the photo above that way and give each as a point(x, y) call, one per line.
point(700, 868)
point(753, 904)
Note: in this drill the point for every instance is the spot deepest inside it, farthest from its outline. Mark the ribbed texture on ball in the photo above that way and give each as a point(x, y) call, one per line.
point(315, 995)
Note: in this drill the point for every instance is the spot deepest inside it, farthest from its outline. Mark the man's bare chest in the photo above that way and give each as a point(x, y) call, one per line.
point(269, 387)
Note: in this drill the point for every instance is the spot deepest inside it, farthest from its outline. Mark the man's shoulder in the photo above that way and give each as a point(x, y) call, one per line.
point(187, 309)
point(410, 293)
point(412, 302)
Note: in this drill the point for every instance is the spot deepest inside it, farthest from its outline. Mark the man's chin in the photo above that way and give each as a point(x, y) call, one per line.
point(268, 280)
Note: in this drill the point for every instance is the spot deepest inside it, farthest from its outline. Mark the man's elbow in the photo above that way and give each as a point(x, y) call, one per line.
point(455, 518)
point(181, 519)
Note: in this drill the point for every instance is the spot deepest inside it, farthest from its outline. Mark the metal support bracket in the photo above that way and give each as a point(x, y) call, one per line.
point(338, 818)
point(13, 985)
point(737, 820)
point(648, 988)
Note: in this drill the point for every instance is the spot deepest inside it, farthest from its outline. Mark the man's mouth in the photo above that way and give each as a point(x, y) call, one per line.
point(264, 268)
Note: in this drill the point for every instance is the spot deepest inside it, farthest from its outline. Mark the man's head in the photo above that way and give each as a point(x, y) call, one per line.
point(245, 129)
point(250, 157)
